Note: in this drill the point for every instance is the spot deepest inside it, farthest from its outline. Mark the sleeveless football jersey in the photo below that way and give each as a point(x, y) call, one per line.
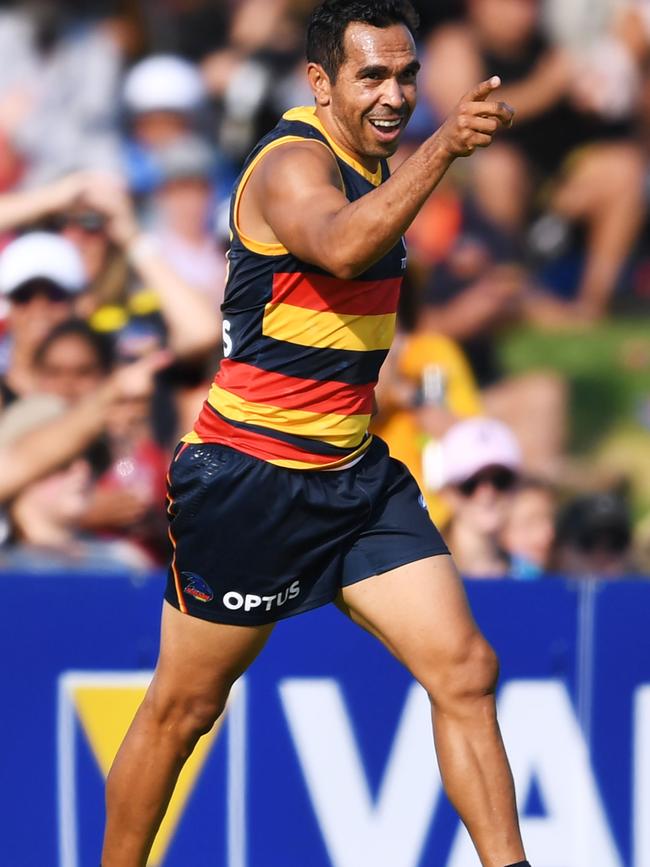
point(302, 348)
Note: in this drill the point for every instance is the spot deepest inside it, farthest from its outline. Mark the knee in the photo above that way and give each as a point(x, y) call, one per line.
point(184, 714)
point(468, 674)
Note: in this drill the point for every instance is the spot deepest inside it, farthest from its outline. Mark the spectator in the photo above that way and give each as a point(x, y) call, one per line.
point(183, 208)
point(44, 517)
point(425, 386)
point(529, 532)
point(594, 538)
point(41, 276)
point(590, 164)
point(191, 323)
point(481, 460)
point(58, 90)
point(477, 287)
point(163, 96)
point(127, 491)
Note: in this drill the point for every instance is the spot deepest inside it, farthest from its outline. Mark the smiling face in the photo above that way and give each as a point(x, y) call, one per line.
point(369, 104)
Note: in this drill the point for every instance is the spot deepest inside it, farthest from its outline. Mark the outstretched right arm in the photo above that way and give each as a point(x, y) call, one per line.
point(296, 193)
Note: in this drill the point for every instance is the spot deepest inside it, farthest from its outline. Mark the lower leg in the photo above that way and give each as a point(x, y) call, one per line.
point(477, 777)
point(198, 663)
point(420, 612)
point(142, 779)
point(604, 191)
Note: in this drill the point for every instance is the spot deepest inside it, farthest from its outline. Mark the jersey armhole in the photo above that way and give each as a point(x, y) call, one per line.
point(251, 244)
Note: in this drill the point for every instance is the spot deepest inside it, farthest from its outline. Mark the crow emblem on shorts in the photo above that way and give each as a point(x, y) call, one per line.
point(197, 587)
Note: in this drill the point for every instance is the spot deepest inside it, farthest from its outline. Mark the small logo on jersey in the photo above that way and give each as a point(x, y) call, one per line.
point(234, 601)
point(423, 502)
point(197, 587)
point(404, 263)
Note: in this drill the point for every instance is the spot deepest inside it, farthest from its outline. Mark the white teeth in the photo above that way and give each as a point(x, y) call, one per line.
point(388, 124)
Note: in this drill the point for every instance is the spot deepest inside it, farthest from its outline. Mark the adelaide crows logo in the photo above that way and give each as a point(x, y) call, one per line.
point(197, 587)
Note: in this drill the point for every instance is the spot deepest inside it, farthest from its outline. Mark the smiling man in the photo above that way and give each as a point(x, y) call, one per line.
point(280, 500)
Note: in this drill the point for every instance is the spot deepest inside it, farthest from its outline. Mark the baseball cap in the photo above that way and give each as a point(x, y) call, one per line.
point(163, 82)
point(41, 255)
point(473, 445)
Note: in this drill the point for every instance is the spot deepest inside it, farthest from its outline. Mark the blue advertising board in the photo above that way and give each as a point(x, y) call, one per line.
point(324, 757)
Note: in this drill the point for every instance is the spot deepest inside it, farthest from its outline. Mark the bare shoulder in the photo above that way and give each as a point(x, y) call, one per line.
point(295, 166)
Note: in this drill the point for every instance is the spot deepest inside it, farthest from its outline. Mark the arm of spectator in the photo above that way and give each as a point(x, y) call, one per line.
point(548, 83)
point(28, 206)
point(192, 323)
point(58, 442)
point(491, 299)
point(453, 62)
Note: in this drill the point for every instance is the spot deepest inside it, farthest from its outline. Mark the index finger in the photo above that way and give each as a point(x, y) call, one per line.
point(501, 110)
point(481, 92)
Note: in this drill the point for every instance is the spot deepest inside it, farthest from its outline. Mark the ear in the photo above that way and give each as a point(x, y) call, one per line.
point(320, 84)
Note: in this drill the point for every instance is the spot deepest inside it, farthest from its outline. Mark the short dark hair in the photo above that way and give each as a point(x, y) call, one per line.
point(99, 344)
point(330, 20)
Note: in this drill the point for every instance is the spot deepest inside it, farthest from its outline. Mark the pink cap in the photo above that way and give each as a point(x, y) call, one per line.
point(475, 444)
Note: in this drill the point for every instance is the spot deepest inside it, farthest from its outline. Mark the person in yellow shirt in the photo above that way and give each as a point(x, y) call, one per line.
point(426, 385)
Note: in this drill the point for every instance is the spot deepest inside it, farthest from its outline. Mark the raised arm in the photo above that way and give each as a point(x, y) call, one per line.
point(192, 322)
point(43, 451)
point(295, 195)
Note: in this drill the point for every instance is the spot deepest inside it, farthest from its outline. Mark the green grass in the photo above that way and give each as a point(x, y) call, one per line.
point(607, 367)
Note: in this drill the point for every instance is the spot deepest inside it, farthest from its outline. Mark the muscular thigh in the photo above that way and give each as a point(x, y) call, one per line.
point(419, 611)
point(201, 658)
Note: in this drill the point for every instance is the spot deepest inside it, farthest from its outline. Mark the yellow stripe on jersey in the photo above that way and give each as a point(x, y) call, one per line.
point(307, 114)
point(326, 330)
point(342, 431)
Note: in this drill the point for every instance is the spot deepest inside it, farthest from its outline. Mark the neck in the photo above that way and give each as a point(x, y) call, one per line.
point(339, 136)
point(476, 556)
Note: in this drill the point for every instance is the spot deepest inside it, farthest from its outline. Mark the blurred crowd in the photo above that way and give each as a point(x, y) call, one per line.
point(122, 128)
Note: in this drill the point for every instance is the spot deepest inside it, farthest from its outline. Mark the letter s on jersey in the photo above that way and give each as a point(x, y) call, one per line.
point(227, 339)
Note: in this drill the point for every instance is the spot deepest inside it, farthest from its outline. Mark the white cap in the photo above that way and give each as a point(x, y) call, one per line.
point(473, 445)
point(41, 255)
point(163, 83)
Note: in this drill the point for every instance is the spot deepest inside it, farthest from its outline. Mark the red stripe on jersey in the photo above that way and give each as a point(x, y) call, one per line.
point(290, 392)
point(214, 429)
point(355, 297)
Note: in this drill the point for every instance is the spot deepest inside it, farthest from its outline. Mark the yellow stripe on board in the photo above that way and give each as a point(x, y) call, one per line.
point(342, 431)
point(327, 330)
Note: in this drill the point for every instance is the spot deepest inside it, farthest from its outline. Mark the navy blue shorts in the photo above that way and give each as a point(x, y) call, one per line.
point(254, 543)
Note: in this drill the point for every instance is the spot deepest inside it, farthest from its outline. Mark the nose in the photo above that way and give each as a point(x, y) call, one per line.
point(393, 94)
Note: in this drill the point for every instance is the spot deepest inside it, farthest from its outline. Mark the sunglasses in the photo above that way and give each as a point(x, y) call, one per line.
point(88, 221)
point(501, 479)
point(27, 293)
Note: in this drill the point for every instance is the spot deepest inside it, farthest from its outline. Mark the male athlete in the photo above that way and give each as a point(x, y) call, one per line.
point(280, 501)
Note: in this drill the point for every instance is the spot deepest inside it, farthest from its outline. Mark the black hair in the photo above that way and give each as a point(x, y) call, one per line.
point(329, 21)
point(100, 344)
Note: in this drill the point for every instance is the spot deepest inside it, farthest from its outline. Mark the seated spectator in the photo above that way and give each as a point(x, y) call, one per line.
point(127, 491)
point(183, 207)
point(588, 165)
point(163, 97)
point(44, 518)
point(41, 276)
point(594, 538)
point(529, 532)
point(477, 287)
point(56, 443)
point(425, 386)
point(480, 462)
